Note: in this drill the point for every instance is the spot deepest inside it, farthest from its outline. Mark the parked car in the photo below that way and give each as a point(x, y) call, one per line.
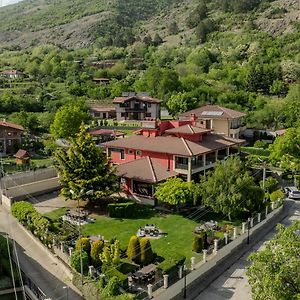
point(292, 192)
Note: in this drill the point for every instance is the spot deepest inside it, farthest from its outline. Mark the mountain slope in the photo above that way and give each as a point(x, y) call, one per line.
point(80, 23)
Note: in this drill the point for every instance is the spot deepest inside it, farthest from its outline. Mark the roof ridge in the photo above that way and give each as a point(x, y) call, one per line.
point(152, 169)
point(187, 146)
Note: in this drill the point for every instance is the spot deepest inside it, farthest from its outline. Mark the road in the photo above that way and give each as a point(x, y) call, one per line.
point(45, 271)
point(233, 283)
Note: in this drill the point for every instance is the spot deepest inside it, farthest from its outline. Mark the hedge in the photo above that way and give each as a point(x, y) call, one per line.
point(256, 151)
point(21, 211)
point(127, 210)
point(170, 265)
point(113, 272)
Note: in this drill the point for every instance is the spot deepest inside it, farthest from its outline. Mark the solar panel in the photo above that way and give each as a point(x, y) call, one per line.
point(142, 94)
point(131, 94)
point(212, 113)
point(125, 94)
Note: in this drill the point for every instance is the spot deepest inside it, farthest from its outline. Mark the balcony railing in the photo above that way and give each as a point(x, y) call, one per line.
point(181, 166)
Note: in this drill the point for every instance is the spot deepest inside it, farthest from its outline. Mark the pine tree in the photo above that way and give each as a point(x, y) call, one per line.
point(133, 250)
point(84, 167)
point(146, 251)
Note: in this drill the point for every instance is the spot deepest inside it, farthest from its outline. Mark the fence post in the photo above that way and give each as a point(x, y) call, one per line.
point(91, 270)
point(149, 286)
point(204, 255)
point(244, 227)
point(215, 246)
point(234, 233)
point(226, 238)
point(193, 263)
point(251, 222)
point(62, 247)
point(258, 217)
point(180, 272)
point(266, 211)
point(166, 277)
point(70, 251)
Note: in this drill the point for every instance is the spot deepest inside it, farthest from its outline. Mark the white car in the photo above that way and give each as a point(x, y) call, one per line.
point(292, 192)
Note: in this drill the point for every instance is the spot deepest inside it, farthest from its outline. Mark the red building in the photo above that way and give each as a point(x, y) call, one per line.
point(166, 149)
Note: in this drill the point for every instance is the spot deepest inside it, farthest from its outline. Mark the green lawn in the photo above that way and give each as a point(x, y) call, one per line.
point(56, 214)
point(179, 229)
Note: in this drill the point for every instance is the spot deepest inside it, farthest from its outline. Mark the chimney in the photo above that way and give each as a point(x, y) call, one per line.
point(193, 119)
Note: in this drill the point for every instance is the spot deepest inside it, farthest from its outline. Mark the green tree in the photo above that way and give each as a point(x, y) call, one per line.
point(173, 28)
point(277, 195)
point(174, 191)
point(133, 250)
point(68, 120)
point(146, 251)
point(200, 242)
point(75, 261)
point(180, 103)
point(274, 271)
point(157, 40)
point(197, 15)
point(229, 189)
point(96, 249)
point(84, 167)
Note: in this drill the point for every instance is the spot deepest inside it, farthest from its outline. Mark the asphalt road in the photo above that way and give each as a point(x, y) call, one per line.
point(44, 270)
point(233, 283)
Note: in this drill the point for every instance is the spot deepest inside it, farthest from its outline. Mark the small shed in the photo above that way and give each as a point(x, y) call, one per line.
point(22, 157)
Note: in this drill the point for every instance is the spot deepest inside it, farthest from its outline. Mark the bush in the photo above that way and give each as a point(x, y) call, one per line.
point(146, 251)
point(85, 244)
point(256, 151)
point(261, 145)
point(21, 211)
point(170, 265)
point(75, 261)
point(277, 195)
point(112, 288)
point(110, 272)
point(200, 242)
point(122, 210)
point(134, 250)
point(96, 249)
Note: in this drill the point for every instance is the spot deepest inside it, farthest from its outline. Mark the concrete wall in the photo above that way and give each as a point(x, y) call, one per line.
point(27, 177)
point(33, 188)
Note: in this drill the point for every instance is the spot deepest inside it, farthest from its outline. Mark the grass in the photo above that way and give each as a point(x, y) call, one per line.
point(56, 214)
point(9, 164)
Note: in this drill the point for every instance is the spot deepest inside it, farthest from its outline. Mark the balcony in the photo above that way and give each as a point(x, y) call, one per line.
point(135, 109)
point(181, 166)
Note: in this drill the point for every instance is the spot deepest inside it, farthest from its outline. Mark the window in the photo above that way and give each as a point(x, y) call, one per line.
point(121, 151)
point(123, 115)
point(148, 115)
point(181, 162)
point(149, 104)
point(96, 114)
point(130, 151)
point(142, 188)
point(138, 152)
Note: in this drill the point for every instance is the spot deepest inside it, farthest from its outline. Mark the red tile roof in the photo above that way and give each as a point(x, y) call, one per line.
point(213, 111)
point(11, 125)
point(11, 72)
point(147, 99)
point(188, 129)
point(98, 108)
point(145, 169)
point(175, 145)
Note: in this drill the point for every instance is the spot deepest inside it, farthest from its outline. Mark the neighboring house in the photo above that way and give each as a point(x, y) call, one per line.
point(164, 150)
point(101, 81)
point(10, 137)
point(105, 135)
point(132, 106)
point(12, 74)
point(22, 157)
point(221, 120)
point(102, 112)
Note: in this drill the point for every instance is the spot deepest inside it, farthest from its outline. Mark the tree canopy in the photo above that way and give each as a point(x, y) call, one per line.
point(230, 189)
point(84, 167)
point(274, 272)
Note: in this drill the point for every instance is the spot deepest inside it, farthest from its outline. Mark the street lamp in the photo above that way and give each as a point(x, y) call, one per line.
point(184, 286)
point(81, 194)
point(67, 291)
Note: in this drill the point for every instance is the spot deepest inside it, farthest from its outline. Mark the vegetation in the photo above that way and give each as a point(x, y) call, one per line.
point(200, 242)
point(146, 251)
point(96, 250)
point(275, 269)
point(75, 261)
point(134, 250)
point(84, 244)
point(230, 189)
point(84, 170)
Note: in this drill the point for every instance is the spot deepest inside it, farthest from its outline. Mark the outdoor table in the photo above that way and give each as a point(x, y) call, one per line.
point(144, 272)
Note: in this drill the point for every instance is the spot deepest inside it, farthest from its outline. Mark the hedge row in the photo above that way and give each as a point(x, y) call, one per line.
point(256, 151)
point(126, 210)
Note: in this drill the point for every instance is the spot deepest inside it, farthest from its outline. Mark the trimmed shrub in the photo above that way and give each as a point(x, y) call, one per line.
point(85, 244)
point(146, 251)
point(75, 261)
point(21, 211)
point(122, 210)
point(96, 249)
point(200, 242)
point(110, 272)
point(134, 250)
point(256, 151)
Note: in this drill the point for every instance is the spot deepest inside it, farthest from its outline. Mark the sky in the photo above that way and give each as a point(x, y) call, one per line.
point(7, 2)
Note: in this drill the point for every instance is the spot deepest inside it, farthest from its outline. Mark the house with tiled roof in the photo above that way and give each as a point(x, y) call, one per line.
point(165, 149)
point(220, 120)
point(12, 74)
point(102, 112)
point(137, 106)
point(10, 137)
